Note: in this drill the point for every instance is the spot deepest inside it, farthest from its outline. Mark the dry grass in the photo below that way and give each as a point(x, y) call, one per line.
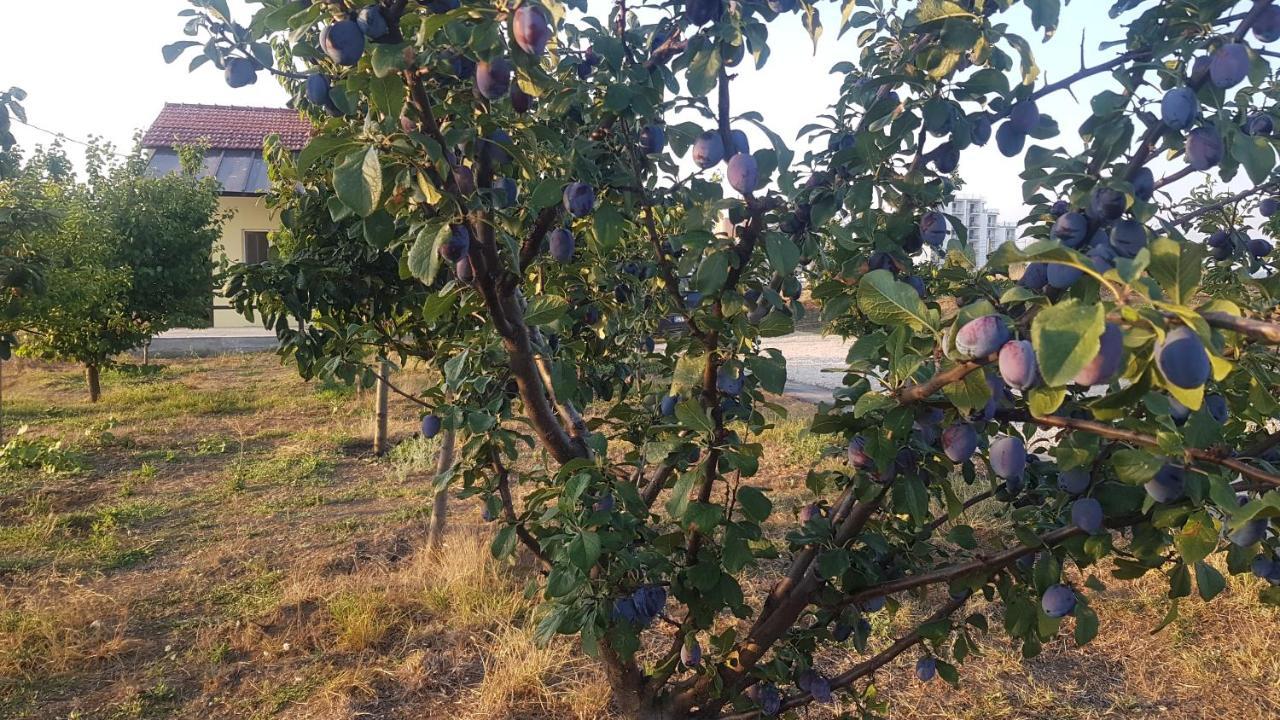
point(221, 545)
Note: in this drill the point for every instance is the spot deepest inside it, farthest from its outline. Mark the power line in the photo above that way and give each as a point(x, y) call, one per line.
point(68, 138)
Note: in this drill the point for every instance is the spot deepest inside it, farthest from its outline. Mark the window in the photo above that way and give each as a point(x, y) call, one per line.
point(255, 247)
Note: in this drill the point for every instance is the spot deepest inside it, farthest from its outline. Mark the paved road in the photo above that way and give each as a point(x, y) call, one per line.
point(808, 354)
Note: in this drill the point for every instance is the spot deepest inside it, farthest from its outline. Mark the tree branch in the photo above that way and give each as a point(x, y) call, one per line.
point(864, 668)
point(1203, 457)
point(509, 511)
point(916, 393)
point(1186, 218)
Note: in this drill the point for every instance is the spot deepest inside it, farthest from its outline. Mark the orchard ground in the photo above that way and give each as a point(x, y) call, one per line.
point(215, 540)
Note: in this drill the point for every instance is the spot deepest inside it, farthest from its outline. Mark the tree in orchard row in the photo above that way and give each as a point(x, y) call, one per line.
point(121, 256)
point(1108, 390)
point(21, 275)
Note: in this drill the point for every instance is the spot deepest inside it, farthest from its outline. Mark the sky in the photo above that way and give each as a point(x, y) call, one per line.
point(105, 77)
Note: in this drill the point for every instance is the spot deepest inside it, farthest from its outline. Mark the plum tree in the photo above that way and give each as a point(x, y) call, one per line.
point(853, 213)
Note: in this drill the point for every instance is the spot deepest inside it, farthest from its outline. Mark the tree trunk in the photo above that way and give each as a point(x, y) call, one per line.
point(146, 352)
point(91, 377)
point(380, 412)
point(440, 504)
point(1, 401)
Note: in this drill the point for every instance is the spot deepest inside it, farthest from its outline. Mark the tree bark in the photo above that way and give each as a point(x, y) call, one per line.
point(146, 352)
point(95, 386)
point(380, 413)
point(440, 504)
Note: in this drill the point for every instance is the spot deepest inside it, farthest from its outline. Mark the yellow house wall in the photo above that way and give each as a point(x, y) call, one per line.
point(248, 214)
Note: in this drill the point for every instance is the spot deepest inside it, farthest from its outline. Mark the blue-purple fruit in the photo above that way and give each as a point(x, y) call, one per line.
point(982, 336)
point(1182, 358)
point(1018, 364)
point(1104, 366)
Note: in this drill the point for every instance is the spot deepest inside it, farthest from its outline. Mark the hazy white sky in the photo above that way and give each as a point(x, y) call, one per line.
point(104, 75)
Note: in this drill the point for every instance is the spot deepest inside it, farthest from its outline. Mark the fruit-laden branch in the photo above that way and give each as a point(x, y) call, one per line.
point(1147, 148)
point(803, 559)
point(661, 260)
point(503, 481)
point(921, 391)
point(866, 667)
point(1204, 457)
point(1186, 218)
point(533, 241)
point(767, 630)
point(1261, 330)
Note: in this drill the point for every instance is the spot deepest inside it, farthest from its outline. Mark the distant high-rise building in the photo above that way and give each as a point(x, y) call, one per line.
point(986, 231)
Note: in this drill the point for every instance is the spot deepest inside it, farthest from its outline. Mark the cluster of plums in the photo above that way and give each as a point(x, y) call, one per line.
point(642, 606)
point(742, 172)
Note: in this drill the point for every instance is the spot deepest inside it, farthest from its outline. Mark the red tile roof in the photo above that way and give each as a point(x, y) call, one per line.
point(226, 127)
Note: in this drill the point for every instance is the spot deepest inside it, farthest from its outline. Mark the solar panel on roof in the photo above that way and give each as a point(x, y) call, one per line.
point(233, 173)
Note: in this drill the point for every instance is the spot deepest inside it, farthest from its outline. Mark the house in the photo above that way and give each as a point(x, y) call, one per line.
point(234, 138)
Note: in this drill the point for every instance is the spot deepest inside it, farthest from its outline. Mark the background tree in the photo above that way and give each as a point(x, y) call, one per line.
point(105, 257)
point(1120, 396)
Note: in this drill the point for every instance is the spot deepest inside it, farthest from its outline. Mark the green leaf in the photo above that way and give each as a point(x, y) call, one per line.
point(1255, 154)
point(546, 309)
point(770, 369)
point(387, 95)
point(688, 373)
point(1135, 467)
point(1177, 268)
point(1209, 582)
point(783, 253)
point(320, 146)
point(886, 301)
point(776, 324)
point(679, 500)
point(357, 181)
point(584, 550)
point(387, 59)
point(712, 273)
point(609, 225)
point(968, 393)
point(1198, 538)
point(546, 193)
point(691, 415)
point(755, 504)
point(704, 70)
point(1065, 337)
point(173, 51)
point(504, 542)
point(1086, 624)
point(935, 10)
point(424, 256)
point(561, 581)
point(1044, 400)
